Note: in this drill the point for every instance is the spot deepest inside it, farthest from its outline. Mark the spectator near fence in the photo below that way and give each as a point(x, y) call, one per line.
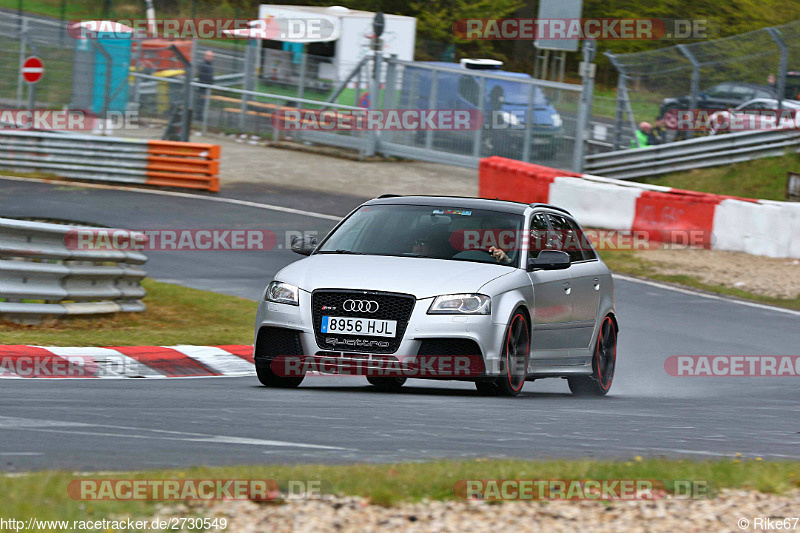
point(658, 135)
point(205, 74)
point(642, 135)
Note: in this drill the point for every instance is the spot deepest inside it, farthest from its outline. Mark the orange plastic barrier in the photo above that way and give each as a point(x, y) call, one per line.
point(665, 216)
point(183, 164)
point(508, 179)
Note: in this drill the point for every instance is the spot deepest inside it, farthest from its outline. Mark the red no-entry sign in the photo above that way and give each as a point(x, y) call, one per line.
point(32, 69)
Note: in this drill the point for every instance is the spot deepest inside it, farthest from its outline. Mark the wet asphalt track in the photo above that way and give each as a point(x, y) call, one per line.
point(138, 423)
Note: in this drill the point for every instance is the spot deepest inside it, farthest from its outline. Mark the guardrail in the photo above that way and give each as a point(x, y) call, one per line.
point(42, 275)
point(113, 159)
point(693, 153)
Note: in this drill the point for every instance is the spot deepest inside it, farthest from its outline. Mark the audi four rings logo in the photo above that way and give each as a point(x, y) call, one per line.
point(361, 306)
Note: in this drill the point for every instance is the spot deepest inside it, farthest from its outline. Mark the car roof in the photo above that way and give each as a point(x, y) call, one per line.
point(507, 206)
point(746, 84)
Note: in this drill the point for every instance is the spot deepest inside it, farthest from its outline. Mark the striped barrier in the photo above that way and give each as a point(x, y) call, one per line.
point(112, 159)
point(758, 227)
point(183, 361)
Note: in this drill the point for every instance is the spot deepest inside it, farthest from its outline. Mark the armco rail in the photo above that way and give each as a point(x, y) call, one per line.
point(112, 159)
point(694, 153)
point(759, 227)
point(37, 264)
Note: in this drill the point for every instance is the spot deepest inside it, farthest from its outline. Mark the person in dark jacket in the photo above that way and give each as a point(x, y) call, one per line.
point(205, 74)
point(658, 135)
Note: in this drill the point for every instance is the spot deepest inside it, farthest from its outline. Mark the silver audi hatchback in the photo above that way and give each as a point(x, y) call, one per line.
point(488, 291)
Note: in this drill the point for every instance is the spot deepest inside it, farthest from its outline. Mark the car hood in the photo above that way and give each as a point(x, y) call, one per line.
point(411, 275)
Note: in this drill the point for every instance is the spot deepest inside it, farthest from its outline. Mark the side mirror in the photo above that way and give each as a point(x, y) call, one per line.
point(550, 260)
point(304, 245)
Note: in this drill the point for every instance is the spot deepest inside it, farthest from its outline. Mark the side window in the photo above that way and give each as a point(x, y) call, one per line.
point(564, 238)
point(720, 91)
point(539, 235)
point(583, 241)
point(468, 89)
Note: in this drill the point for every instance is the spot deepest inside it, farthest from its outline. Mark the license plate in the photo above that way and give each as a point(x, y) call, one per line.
point(359, 326)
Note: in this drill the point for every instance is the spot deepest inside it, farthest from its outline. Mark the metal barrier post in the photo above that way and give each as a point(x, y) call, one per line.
point(526, 139)
point(432, 105)
point(621, 93)
point(249, 65)
point(22, 46)
point(695, 77)
point(390, 89)
point(478, 135)
point(585, 105)
point(107, 90)
point(206, 105)
point(187, 93)
point(374, 103)
point(784, 63)
point(301, 84)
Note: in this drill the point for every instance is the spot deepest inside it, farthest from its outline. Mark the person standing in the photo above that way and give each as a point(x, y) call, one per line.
point(642, 135)
point(205, 74)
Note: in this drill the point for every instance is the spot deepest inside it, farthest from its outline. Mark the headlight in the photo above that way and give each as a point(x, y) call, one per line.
point(556, 118)
point(461, 304)
point(282, 293)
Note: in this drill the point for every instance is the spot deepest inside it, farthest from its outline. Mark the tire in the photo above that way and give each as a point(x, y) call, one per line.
point(386, 384)
point(603, 364)
point(516, 350)
point(269, 379)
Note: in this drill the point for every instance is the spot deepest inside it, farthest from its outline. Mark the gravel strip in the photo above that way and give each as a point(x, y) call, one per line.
point(348, 514)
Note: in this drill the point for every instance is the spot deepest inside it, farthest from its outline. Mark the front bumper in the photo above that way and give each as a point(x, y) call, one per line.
point(480, 329)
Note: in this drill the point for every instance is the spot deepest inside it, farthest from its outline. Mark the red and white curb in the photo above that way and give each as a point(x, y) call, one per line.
point(183, 361)
point(758, 227)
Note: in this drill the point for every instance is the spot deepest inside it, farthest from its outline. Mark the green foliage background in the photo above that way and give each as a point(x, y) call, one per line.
point(436, 17)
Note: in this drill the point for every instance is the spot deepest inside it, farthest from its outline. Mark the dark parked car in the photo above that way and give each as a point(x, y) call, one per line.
point(721, 96)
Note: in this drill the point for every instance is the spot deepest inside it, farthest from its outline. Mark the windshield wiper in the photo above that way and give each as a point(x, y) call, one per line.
point(341, 251)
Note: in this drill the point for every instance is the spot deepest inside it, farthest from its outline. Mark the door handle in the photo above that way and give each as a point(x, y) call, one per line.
point(567, 287)
point(596, 282)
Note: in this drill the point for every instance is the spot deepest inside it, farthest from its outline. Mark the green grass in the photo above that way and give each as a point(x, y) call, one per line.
point(626, 262)
point(44, 494)
point(763, 178)
point(174, 315)
point(605, 104)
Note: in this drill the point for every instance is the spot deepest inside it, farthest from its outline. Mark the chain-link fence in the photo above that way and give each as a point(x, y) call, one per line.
point(241, 89)
point(714, 75)
point(523, 118)
point(23, 37)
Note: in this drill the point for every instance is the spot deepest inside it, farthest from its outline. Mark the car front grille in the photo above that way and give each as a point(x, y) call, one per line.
point(391, 306)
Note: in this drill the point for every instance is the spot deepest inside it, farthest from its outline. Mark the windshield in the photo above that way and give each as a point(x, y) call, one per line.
point(439, 232)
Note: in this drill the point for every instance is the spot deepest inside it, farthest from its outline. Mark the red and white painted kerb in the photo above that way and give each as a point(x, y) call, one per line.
point(183, 361)
point(759, 227)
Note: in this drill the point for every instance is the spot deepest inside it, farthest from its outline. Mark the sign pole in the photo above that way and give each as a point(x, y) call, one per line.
point(31, 96)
